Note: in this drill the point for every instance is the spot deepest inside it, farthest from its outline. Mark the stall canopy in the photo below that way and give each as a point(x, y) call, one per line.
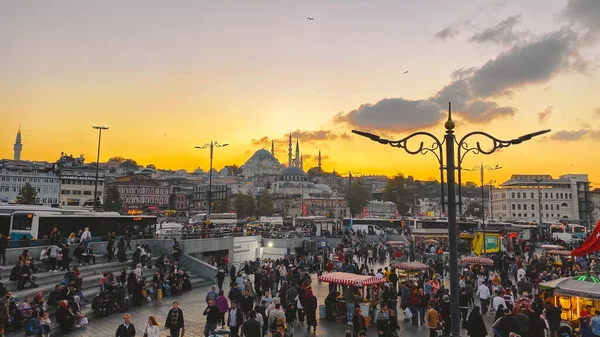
point(576, 287)
point(410, 265)
point(559, 252)
point(351, 279)
point(477, 260)
point(554, 247)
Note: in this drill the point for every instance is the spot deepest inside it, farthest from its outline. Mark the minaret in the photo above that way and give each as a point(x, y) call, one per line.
point(298, 159)
point(319, 160)
point(301, 165)
point(273, 147)
point(18, 146)
point(290, 151)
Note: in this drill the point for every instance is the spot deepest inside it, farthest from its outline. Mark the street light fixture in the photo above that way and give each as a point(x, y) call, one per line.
point(96, 198)
point(492, 199)
point(210, 146)
point(449, 141)
point(482, 169)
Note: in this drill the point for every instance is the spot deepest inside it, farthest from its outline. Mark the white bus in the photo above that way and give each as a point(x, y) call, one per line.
point(37, 225)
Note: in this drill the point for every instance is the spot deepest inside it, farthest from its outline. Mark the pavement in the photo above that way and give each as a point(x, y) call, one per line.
point(193, 304)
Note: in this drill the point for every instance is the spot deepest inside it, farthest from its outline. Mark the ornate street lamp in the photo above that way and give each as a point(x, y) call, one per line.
point(210, 146)
point(449, 141)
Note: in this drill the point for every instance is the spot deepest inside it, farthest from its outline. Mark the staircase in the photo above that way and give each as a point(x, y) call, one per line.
point(90, 274)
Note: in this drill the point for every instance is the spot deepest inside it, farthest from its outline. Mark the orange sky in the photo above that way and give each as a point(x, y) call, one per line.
point(168, 78)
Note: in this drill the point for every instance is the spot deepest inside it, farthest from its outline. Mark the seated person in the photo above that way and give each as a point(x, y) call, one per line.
point(33, 326)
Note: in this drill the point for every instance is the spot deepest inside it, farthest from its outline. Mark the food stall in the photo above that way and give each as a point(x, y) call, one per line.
point(398, 248)
point(572, 295)
point(558, 256)
point(353, 280)
point(408, 270)
point(477, 260)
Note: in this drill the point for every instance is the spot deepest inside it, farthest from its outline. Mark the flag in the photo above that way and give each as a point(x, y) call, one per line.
point(592, 244)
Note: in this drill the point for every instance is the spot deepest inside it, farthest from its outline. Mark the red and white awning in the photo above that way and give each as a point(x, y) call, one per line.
point(554, 247)
point(351, 279)
point(410, 265)
point(484, 261)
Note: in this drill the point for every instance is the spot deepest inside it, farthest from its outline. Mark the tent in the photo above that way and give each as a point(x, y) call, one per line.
point(351, 279)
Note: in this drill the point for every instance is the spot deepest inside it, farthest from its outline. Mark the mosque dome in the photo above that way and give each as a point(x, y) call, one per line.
point(293, 171)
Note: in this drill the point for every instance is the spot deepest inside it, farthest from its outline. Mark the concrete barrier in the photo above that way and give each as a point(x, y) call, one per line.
point(199, 267)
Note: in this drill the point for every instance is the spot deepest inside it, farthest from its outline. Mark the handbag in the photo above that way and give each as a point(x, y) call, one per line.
point(146, 331)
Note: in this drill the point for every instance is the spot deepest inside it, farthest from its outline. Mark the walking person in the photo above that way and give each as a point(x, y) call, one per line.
point(252, 327)
point(475, 325)
point(3, 246)
point(432, 318)
point(235, 319)
point(86, 237)
point(127, 329)
point(175, 321)
point(152, 329)
point(212, 317)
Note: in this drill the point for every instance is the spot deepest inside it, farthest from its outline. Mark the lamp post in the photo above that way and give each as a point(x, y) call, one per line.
point(96, 199)
point(210, 146)
point(437, 147)
point(481, 170)
point(538, 181)
point(492, 200)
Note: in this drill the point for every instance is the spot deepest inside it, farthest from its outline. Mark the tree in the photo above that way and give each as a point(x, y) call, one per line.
point(265, 205)
point(26, 195)
point(314, 172)
point(244, 205)
point(401, 191)
point(116, 159)
point(233, 170)
point(151, 166)
point(129, 164)
point(357, 195)
point(112, 199)
point(221, 206)
point(474, 209)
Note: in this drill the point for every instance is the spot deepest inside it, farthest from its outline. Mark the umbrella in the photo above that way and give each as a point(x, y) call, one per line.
point(477, 260)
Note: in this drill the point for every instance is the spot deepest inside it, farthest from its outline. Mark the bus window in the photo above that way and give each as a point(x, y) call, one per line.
point(4, 224)
point(578, 229)
point(22, 222)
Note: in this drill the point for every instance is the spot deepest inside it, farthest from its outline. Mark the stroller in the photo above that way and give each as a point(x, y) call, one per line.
point(100, 304)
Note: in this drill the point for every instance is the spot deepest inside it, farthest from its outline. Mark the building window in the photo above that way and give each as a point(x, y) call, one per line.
point(533, 207)
point(513, 195)
point(519, 215)
point(514, 215)
point(87, 192)
point(557, 207)
point(546, 206)
point(564, 204)
point(524, 207)
point(519, 206)
point(519, 195)
point(546, 195)
point(514, 207)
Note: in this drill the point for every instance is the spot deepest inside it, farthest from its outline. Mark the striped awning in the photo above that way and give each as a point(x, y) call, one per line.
point(410, 265)
point(477, 260)
point(351, 279)
point(554, 247)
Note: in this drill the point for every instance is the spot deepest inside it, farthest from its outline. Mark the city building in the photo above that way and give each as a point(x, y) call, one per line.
point(179, 201)
point(218, 192)
point(42, 176)
point(427, 207)
point(140, 192)
point(293, 181)
point(567, 197)
point(18, 147)
point(376, 183)
point(77, 182)
point(381, 209)
point(595, 197)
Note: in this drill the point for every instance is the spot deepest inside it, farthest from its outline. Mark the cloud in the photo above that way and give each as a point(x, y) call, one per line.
point(301, 135)
point(314, 135)
point(597, 111)
point(447, 33)
point(502, 33)
point(544, 115)
point(472, 89)
point(568, 136)
point(584, 14)
point(533, 62)
point(393, 114)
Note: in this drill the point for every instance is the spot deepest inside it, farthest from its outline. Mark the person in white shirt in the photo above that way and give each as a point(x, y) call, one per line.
point(498, 302)
point(86, 237)
point(521, 272)
point(484, 297)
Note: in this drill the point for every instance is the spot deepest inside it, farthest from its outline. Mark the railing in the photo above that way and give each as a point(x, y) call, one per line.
point(46, 241)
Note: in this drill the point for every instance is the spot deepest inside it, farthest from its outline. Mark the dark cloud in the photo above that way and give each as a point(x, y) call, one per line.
point(534, 62)
point(446, 33)
point(544, 115)
point(568, 136)
point(502, 33)
point(584, 14)
point(314, 135)
point(300, 135)
point(472, 89)
point(393, 114)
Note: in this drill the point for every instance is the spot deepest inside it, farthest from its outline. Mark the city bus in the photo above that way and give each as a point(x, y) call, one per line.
point(567, 231)
point(38, 225)
point(382, 223)
point(10, 209)
point(438, 227)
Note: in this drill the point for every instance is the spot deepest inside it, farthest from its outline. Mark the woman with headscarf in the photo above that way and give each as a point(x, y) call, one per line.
point(76, 310)
point(64, 316)
point(151, 329)
point(475, 325)
point(121, 256)
point(310, 310)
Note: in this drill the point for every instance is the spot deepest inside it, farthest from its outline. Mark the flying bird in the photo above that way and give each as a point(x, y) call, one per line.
point(310, 18)
point(406, 72)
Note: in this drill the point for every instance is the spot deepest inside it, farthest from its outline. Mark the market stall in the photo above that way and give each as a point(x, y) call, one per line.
point(573, 296)
point(398, 248)
point(353, 280)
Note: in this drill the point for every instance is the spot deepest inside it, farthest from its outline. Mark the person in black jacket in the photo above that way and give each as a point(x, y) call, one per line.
point(127, 329)
point(235, 319)
point(175, 320)
point(251, 327)
point(246, 303)
point(212, 317)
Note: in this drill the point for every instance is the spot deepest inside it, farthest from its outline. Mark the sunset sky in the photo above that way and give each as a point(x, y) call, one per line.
point(169, 75)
